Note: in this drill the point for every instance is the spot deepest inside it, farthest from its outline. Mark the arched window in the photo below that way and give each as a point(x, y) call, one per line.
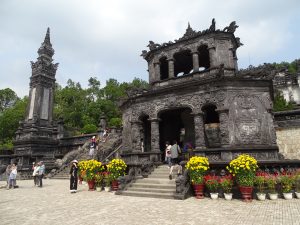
point(210, 114)
point(183, 62)
point(163, 68)
point(204, 57)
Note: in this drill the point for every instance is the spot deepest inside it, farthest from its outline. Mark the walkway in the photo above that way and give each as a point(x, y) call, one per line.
point(53, 204)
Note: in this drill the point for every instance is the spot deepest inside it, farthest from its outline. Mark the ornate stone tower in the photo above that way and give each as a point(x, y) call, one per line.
point(36, 138)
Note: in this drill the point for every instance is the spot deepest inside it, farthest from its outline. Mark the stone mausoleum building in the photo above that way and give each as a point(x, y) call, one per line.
point(198, 95)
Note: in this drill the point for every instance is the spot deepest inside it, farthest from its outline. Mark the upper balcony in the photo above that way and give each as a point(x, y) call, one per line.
point(196, 55)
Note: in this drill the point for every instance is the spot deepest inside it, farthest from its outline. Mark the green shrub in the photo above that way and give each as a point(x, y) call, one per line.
point(89, 128)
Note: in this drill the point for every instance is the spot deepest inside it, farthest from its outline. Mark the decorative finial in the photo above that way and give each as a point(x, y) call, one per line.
point(47, 37)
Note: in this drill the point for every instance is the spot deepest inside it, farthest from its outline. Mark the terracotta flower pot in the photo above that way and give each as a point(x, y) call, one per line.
point(198, 189)
point(91, 184)
point(114, 185)
point(246, 193)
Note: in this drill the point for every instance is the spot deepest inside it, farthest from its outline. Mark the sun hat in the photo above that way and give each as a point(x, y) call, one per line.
point(74, 161)
point(93, 137)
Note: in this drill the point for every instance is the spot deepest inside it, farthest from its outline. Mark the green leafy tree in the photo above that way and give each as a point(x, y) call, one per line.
point(280, 104)
point(115, 122)
point(89, 128)
point(7, 98)
point(9, 122)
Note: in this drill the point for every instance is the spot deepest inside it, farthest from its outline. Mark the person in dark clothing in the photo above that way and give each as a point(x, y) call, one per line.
point(73, 177)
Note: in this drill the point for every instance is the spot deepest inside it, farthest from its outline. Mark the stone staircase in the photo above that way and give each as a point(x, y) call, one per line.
point(62, 174)
point(157, 185)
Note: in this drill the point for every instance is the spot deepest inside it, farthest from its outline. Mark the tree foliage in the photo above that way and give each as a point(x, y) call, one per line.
point(82, 108)
point(280, 104)
point(291, 67)
point(9, 122)
point(7, 98)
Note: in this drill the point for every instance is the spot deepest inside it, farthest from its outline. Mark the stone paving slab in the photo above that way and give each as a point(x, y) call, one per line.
point(53, 204)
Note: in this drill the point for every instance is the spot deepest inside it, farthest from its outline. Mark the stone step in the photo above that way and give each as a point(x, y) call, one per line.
point(148, 194)
point(162, 176)
point(155, 181)
point(155, 186)
point(155, 190)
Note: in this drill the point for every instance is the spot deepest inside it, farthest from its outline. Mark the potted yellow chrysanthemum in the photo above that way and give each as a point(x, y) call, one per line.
point(243, 168)
point(197, 167)
point(88, 169)
point(116, 168)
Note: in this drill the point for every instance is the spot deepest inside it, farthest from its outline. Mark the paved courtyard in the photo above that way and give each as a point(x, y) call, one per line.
point(53, 204)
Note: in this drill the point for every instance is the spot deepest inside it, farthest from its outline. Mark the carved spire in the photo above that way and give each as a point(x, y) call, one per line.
point(47, 37)
point(188, 33)
point(44, 60)
point(46, 50)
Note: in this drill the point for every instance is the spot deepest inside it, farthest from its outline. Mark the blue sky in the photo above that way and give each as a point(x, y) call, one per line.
point(104, 39)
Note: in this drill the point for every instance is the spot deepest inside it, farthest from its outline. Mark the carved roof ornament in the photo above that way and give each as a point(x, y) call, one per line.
point(265, 71)
point(190, 33)
point(231, 28)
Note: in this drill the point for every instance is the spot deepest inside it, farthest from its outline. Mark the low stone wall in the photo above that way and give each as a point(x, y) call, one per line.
point(288, 133)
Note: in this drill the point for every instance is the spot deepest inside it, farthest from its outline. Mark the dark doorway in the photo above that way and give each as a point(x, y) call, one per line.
point(176, 124)
point(146, 134)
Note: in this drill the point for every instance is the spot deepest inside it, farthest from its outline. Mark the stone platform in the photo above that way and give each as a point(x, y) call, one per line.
point(53, 204)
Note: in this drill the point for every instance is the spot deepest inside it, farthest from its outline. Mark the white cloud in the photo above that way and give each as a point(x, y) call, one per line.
point(105, 38)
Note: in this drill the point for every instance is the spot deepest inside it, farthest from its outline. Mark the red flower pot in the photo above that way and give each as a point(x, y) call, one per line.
point(246, 193)
point(114, 185)
point(91, 184)
point(198, 189)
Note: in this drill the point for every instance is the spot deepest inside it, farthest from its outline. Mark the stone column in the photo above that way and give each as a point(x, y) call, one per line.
point(136, 136)
point(157, 70)
point(155, 135)
point(171, 67)
point(195, 61)
point(212, 57)
point(224, 132)
point(199, 131)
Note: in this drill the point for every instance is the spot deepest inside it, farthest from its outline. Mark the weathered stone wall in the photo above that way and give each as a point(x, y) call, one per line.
point(288, 141)
point(244, 109)
point(288, 133)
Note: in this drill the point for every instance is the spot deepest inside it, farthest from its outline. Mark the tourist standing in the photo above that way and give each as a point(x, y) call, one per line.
point(92, 147)
point(35, 174)
point(168, 154)
point(13, 176)
point(41, 172)
point(175, 150)
point(73, 176)
point(7, 172)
